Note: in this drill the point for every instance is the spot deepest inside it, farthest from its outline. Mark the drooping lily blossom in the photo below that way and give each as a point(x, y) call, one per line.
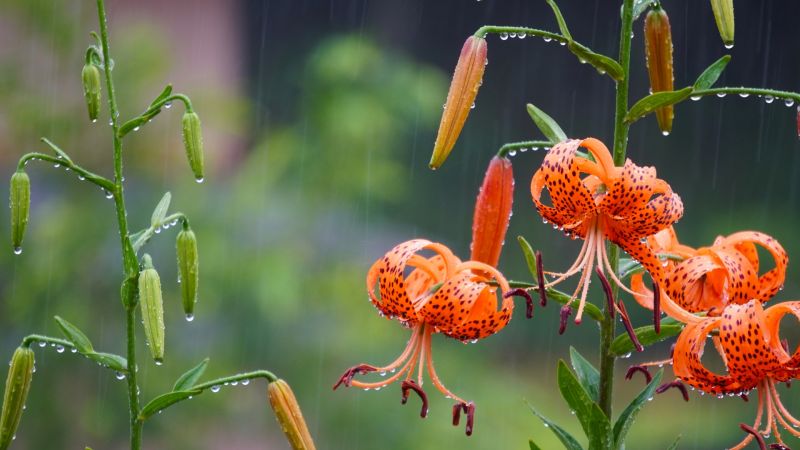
point(750, 345)
point(467, 78)
point(433, 294)
point(595, 200)
point(709, 278)
point(492, 212)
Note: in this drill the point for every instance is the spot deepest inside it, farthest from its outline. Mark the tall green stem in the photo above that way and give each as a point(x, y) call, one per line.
point(608, 325)
point(130, 265)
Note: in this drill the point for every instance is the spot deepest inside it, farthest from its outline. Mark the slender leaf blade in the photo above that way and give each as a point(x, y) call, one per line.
point(546, 124)
point(109, 360)
point(622, 345)
point(588, 375)
point(562, 24)
point(163, 95)
point(652, 102)
point(628, 267)
point(160, 212)
point(600, 62)
point(533, 445)
point(190, 377)
point(592, 419)
point(530, 258)
point(164, 401)
point(569, 442)
point(75, 335)
point(628, 415)
point(712, 73)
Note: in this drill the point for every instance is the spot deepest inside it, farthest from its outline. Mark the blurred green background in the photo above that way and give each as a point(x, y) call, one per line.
point(319, 119)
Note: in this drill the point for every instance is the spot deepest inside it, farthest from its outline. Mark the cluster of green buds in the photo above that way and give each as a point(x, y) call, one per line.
point(20, 203)
point(18, 383)
point(152, 305)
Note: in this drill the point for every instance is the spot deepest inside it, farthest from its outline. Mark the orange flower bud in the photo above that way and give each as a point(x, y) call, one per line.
point(289, 415)
point(658, 49)
point(460, 98)
point(492, 211)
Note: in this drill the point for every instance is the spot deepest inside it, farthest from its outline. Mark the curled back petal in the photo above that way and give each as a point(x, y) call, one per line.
point(687, 364)
point(452, 303)
point(572, 202)
point(741, 283)
point(747, 344)
point(697, 283)
point(770, 282)
point(772, 320)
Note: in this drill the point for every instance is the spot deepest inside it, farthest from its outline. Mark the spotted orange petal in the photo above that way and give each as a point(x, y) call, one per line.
point(687, 364)
point(772, 320)
point(747, 343)
point(770, 282)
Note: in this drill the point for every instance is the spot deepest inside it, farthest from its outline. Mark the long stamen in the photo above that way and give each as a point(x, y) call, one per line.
point(674, 384)
point(643, 369)
point(754, 433)
point(540, 278)
point(347, 378)
point(783, 409)
point(629, 326)
point(656, 308)
point(565, 312)
point(609, 293)
point(528, 300)
point(410, 385)
point(586, 277)
point(612, 271)
point(434, 377)
point(579, 263)
point(752, 430)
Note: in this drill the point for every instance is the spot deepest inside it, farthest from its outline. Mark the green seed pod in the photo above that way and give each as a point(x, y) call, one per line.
point(20, 202)
point(723, 14)
point(186, 247)
point(91, 89)
point(193, 142)
point(152, 309)
point(289, 415)
point(17, 385)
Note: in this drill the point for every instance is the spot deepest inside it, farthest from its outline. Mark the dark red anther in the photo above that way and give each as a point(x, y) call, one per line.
point(656, 308)
point(677, 384)
point(777, 446)
point(744, 397)
point(629, 327)
point(540, 278)
point(469, 410)
point(566, 311)
point(760, 440)
point(607, 289)
point(411, 385)
point(348, 375)
point(633, 369)
point(524, 294)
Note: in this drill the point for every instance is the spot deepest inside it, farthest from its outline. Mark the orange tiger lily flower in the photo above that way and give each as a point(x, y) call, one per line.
point(711, 277)
point(595, 200)
point(433, 294)
point(755, 357)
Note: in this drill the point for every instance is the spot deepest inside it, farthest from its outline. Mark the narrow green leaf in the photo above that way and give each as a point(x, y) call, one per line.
point(533, 445)
point(164, 94)
point(569, 442)
point(530, 258)
point(190, 377)
point(639, 6)
point(628, 267)
point(589, 309)
point(138, 239)
point(133, 124)
point(164, 401)
point(546, 124)
point(57, 149)
point(109, 360)
point(712, 73)
point(675, 443)
point(588, 375)
point(622, 345)
point(75, 335)
point(562, 24)
point(161, 210)
point(627, 417)
point(592, 419)
point(602, 63)
point(652, 102)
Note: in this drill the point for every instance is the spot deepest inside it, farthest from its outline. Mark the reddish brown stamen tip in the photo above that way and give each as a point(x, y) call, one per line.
point(633, 369)
point(677, 384)
point(607, 289)
point(744, 397)
point(566, 311)
point(457, 408)
point(540, 278)
point(760, 440)
point(777, 446)
point(409, 384)
point(469, 410)
point(629, 326)
point(348, 375)
point(528, 300)
point(656, 308)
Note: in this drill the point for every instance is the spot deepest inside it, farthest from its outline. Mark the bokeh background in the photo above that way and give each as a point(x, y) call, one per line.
point(319, 119)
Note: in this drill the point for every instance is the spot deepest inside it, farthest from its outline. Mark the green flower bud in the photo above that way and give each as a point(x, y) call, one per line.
point(152, 309)
point(91, 89)
point(289, 415)
point(20, 202)
point(723, 14)
point(18, 384)
point(186, 247)
point(193, 142)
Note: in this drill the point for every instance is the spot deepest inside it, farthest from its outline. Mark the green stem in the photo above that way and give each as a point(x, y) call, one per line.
point(783, 95)
point(494, 29)
point(101, 181)
point(523, 146)
point(129, 260)
point(31, 338)
point(608, 325)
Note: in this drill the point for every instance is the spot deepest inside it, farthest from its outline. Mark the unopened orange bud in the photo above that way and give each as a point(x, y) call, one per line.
point(460, 98)
point(289, 415)
point(658, 49)
point(492, 211)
